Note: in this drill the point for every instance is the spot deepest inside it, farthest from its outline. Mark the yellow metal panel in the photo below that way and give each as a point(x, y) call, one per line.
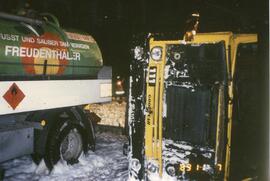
point(237, 39)
point(212, 37)
point(154, 99)
point(231, 41)
point(150, 94)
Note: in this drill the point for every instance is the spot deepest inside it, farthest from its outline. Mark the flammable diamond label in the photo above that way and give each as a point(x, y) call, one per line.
point(14, 96)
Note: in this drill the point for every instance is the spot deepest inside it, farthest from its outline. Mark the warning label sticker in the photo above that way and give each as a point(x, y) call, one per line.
point(80, 37)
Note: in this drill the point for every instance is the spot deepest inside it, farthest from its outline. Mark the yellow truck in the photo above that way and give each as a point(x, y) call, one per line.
point(181, 106)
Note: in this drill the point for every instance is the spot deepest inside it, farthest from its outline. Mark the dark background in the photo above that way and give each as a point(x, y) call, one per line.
point(113, 22)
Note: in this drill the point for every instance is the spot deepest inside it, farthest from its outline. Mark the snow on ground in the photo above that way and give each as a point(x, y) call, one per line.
point(107, 163)
point(111, 113)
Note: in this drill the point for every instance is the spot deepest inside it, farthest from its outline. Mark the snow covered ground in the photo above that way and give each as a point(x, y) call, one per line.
point(107, 163)
point(111, 113)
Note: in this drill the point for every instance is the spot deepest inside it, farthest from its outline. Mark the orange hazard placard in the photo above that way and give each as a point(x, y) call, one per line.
point(14, 96)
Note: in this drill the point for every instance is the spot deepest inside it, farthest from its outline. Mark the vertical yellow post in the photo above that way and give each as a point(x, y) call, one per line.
point(149, 118)
point(160, 115)
point(154, 102)
point(234, 42)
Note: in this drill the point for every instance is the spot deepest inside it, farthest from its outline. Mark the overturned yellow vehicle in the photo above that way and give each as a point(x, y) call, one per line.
point(181, 106)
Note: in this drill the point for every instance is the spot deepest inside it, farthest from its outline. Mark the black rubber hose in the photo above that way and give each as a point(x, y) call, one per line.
point(20, 19)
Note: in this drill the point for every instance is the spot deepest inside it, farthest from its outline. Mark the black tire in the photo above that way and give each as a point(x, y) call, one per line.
point(60, 146)
point(59, 123)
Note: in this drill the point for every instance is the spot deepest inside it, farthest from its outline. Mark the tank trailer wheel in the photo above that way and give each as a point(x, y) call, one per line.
point(65, 143)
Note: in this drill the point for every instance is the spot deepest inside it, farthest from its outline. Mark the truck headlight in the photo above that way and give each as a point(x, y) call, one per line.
point(156, 53)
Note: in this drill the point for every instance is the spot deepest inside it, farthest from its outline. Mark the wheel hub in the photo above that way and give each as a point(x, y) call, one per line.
point(71, 146)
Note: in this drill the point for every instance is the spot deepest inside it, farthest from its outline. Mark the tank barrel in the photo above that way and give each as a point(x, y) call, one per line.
point(21, 19)
point(31, 47)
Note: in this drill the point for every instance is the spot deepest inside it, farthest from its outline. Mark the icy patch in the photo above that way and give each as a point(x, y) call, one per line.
point(181, 145)
point(107, 163)
point(112, 113)
point(181, 152)
point(165, 177)
point(41, 168)
point(132, 179)
point(207, 155)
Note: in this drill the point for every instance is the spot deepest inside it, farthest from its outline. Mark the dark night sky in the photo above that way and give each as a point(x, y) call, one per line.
point(112, 22)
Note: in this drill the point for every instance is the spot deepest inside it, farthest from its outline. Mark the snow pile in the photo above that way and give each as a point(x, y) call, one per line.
point(112, 113)
point(107, 163)
point(165, 177)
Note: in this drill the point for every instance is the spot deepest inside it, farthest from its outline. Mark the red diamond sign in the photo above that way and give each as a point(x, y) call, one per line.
point(14, 96)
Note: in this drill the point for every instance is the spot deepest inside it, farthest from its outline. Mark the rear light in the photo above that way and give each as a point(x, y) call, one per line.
point(119, 82)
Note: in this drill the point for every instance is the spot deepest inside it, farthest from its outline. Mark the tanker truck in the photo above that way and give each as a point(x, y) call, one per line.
point(47, 76)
